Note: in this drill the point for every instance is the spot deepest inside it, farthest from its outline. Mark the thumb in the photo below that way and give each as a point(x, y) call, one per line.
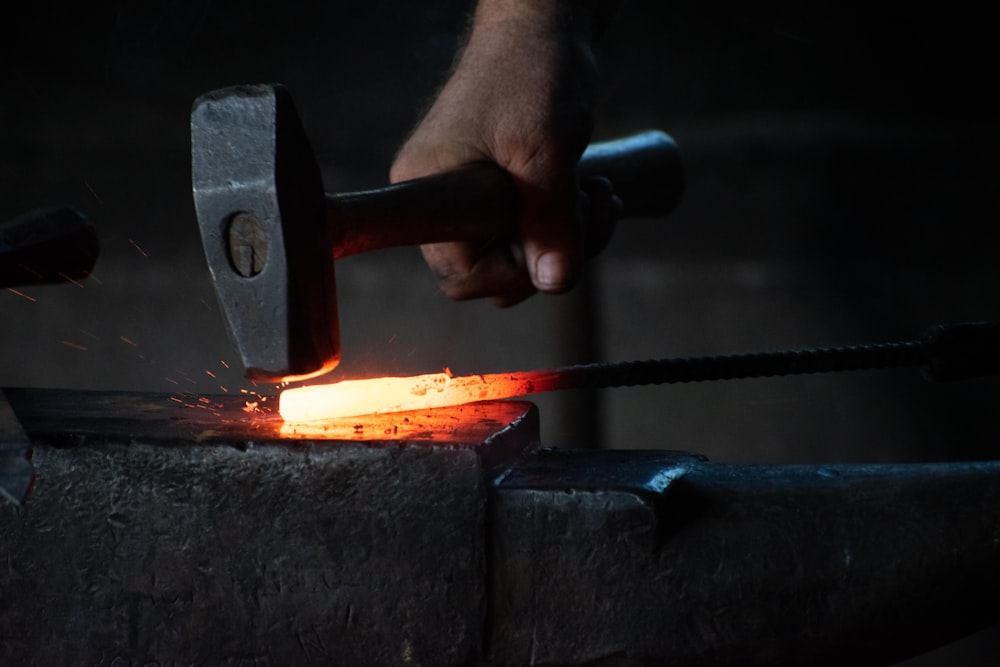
point(549, 227)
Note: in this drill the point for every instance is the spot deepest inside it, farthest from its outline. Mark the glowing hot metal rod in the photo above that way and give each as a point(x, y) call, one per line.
point(352, 398)
point(944, 352)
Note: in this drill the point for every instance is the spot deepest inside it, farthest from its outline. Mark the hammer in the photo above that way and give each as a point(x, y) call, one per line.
point(271, 233)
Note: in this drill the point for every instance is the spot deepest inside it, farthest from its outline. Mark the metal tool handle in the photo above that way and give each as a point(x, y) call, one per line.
point(479, 201)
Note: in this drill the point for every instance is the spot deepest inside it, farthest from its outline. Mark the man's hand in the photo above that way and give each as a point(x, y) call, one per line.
point(521, 95)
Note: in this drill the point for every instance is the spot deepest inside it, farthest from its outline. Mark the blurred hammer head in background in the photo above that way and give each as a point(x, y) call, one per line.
point(47, 246)
point(43, 246)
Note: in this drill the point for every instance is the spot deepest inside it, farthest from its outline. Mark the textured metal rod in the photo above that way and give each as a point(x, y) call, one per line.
point(731, 367)
point(945, 352)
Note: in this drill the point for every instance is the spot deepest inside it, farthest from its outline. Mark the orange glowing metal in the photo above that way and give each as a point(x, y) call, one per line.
point(422, 392)
point(352, 398)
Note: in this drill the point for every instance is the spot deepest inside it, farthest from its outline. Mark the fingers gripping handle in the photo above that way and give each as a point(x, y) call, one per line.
point(479, 201)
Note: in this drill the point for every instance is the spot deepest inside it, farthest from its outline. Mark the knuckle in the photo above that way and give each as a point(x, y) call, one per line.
point(456, 290)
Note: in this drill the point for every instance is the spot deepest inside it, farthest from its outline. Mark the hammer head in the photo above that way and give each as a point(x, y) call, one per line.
point(261, 210)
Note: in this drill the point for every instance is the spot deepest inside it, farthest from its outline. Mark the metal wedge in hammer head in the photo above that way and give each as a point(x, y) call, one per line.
point(271, 233)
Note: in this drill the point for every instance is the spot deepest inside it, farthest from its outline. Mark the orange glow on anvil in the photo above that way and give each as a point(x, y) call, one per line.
point(351, 398)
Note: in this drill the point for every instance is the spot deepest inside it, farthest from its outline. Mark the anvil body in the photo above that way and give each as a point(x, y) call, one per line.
point(161, 531)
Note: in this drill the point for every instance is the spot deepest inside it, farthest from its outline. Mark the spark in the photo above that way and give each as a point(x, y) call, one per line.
point(224, 364)
point(127, 340)
point(223, 389)
point(93, 192)
point(136, 246)
point(70, 280)
point(187, 378)
point(171, 380)
point(21, 294)
point(28, 269)
point(210, 374)
point(75, 346)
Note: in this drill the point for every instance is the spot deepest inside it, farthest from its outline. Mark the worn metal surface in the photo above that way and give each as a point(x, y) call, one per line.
point(65, 417)
point(166, 528)
point(136, 547)
point(650, 558)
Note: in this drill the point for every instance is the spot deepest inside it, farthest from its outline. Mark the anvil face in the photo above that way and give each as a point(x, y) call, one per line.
point(103, 416)
point(159, 529)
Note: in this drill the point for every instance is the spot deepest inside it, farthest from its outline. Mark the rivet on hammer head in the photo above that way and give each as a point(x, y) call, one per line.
point(247, 244)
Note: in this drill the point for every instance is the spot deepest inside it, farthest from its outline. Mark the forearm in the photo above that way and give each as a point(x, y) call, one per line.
point(586, 18)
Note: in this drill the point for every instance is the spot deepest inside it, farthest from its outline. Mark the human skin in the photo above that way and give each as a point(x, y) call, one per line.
point(521, 95)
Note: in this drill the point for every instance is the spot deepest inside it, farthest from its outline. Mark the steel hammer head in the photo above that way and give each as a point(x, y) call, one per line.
point(260, 204)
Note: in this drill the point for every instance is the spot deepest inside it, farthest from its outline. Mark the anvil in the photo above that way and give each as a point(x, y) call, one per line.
point(196, 530)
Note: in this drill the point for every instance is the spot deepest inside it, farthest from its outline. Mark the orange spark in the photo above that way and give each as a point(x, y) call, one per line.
point(27, 268)
point(210, 374)
point(352, 398)
point(70, 279)
point(21, 294)
point(224, 364)
point(93, 192)
point(75, 346)
point(136, 246)
point(127, 340)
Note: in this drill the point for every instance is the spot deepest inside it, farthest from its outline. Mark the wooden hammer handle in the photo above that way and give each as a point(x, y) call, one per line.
point(479, 201)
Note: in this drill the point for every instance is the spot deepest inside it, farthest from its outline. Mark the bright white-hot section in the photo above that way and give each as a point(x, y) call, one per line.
point(352, 398)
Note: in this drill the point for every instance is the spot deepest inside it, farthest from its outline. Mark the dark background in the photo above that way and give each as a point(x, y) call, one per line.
point(841, 188)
